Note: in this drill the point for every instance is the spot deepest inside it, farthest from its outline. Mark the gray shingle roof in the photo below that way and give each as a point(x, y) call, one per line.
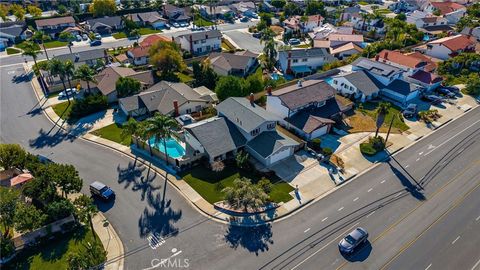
point(202, 35)
point(364, 82)
point(245, 115)
point(269, 142)
point(376, 67)
point(305, 53)
point(83, 56)
point(295, 96)
point(13, 30)
point(217, 135)
point(228, 61)
point(110, 21)
point(402, 87)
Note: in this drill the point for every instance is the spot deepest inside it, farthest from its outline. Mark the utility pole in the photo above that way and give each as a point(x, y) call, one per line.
point(389, 128)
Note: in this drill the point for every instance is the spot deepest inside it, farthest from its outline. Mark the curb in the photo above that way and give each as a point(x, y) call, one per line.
point(120, 258)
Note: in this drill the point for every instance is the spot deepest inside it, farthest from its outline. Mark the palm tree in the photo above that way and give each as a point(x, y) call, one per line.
point(69, 71)
point(160, 128)
point(39, 36)
point(86, 74)
point(129, 128)
point(85, 210)
point(30, 49)
point(57, 68)
point(382, 110)
point(135, 33)
point(269, 48)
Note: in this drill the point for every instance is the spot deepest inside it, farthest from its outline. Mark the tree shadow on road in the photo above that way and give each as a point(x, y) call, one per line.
point(254, 239)
point(413, 189)
point(134, 175)
point(361, 254)
point(50, 138)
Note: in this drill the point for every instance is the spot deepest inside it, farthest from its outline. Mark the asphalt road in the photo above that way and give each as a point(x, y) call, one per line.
point(384, 200)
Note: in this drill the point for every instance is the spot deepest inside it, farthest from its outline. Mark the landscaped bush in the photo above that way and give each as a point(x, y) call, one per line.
point(367, 149)
point(315, 144)
point(6, 247)
point(373, 146)
point(59, 209)
point(327, 151)
point(88, 105)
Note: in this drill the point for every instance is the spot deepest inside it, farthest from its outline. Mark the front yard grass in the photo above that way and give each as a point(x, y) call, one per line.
point(63, 109)
point(119, 35)
point(209, 184)
point(305, 46)
point(364, 119)
point(383, 11)
point(113, 133)
point(21, 45)
point(55, 44)
point(184, 77)
point(202, 22)
point(148, 31)
point(12, 51)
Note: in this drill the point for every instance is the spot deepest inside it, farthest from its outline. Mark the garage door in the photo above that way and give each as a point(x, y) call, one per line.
point(280, 155)
point(319, 132)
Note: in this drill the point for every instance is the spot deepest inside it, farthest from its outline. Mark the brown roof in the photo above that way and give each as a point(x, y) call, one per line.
point(426, 77)
point(54, 21)
point(455, 43)
point(447, 7)
point(107, 79)
point(431, 65)
point(150, 40)
point(401, 59)
point(295, 96)
point(139, 51)
point(346, 47)
point(314, 122)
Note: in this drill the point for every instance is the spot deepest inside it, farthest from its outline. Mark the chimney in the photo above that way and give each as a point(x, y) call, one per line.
point(269, 90)
point(191, 44)
point(175, 107)
point(377, 57)
point(289, 63)
point(252, 99)
point(386, 56)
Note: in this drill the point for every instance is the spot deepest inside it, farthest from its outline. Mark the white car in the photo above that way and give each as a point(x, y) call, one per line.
point(71, 92)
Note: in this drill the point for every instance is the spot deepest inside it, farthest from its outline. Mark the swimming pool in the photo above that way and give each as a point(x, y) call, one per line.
point(174, 149)
point(329, 80)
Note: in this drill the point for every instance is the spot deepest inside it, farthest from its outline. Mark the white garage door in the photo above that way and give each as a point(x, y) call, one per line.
point(319, 132)
point(280, 155)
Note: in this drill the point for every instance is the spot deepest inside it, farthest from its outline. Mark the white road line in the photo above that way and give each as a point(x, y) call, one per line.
point(420, 153)
point(340, 209)
point(451, 138)
point(11, 65)
point(477, 219)
point(398, 194)
point(418, 159)
point(430, 265)
point(407, 166)
point(475, 266)
point(322, 248)
point(383, 181)
point(306, 230)
point(458, 237)
point(324, 219)
point(370, 214)
point(370, 190)
point(355, 199)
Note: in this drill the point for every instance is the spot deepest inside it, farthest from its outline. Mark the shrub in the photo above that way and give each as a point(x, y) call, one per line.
point(378, 143)
point(59, 209)
point(265, 185)
point(327, 151)
point(6, 247)
point(367, 149)
point(315, 144)
point(88, 105)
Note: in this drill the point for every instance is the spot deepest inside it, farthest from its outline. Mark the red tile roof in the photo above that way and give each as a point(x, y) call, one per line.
point(431, 65)
point(447, 7)
point(401, 59)
point(139, 51)
point(150, 40)
point(455, 43)
point(21, 178)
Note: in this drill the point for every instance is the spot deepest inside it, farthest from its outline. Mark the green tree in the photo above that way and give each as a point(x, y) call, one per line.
point(135, 33)
point(129, 129)
point(292, 9)
point(28, 218)
point(401, 17)
point(66, 178)
point(86, 74)
point(34, 11)
point(126, 4)
point(57, 68)
point(59, 209)
point(315, 7)
point(101, 8)
point(204, 74)
point(69, 72)
point(12, 156)
point(254, 84)
point(8, 207)
point(41, 37)
point(66, 36)
point(267, 18)
point(278, 3)
point(473, 85)
point(18, 11)
point(30, 49)
point(244, 194)
point(61, 9)
point(269, 48)
point(167, 59)
point(241, 159)
point(85, 210)
point(160, 128)
point(229, 86)
point(126, 86)
point(3, 12)
point(77, 261)
point(265, 185)
point(382, 110)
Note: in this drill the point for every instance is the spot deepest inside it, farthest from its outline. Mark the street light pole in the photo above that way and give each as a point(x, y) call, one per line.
point(389, 128)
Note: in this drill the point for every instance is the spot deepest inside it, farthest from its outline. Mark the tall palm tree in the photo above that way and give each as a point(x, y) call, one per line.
point(269, 48)
point(160, 128)
point(382, 110)
point(69, 71)
point(30, 49)
point(129, 128)
point(135, 33)
point(57, 68)
point(39, 36)
point(86, 74)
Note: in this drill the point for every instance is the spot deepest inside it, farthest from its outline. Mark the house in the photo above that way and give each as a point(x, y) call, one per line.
point(447, 47)
point(175, 14)
point(300, 62)
point(308, 108)
point(451, 11)
point(88, 57)
point(360, 24)
point(428, 22)
point(413, 17)
point(348, 12)
point(247, 9)
point(473, 32)
point(216, 12)
point(105, 25)
point(383, 72)
point(428, 80)
point(14, 32)
point(359, 84)
point(346, 50)
point(410, 5)
point(107, 78)
point(54, 26)
point(152, 19)
point(340, 45)
point(401, 92)
point(168, 99)
point(432, 63)
point(139, 55)
point(75, 30)
point(152, 39)
point(239, 64)
point(295, 23)
point(324, 31)
point(198, 43)
point(258, 127)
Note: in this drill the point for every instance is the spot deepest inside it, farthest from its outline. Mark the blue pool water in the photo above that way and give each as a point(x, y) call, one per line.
point(329, 80)
point(174, 149)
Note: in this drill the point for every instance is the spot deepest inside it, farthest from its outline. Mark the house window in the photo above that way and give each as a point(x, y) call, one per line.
point(198, 108)
point(209, 48)
point(189, 110)
point(334, 81)
point(351, 88)
point(295, 60)
point(304, 60)
point(255, 132)
point(195, 42)
point(204, 41)
point(271, 126)
point(199, 50)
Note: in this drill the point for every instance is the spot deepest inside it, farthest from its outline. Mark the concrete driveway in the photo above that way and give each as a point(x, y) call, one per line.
point(244, 40)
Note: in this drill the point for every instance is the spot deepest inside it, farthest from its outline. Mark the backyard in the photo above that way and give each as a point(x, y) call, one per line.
point(209, 184)
point(364, 119)
point(113, 133)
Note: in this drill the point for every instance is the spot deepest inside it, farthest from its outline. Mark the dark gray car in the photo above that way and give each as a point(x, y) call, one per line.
point(353, 240)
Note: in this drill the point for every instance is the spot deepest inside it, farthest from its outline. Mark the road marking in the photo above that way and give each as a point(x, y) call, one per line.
point(460, 151)
point(430, 265)
point(370, 214)
point(322, 248)
point(418, 159)
point(324, 219)
point(475, 266)
point(458, 237)
point(383, 181)
point(420, 153)
point(341, 208)
point(370, 190)
point(449, 139)
point(306, 230)
point(477, 219)
point(398, 194)
point(407, 166)
point(355, 199)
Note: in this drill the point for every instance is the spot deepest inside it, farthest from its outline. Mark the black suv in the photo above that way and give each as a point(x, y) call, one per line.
point(102, 191)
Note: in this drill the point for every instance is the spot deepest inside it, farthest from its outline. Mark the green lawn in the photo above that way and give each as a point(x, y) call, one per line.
point(209, 184)
point(383, 11)
point(63, 109)
point(148, 31)
point(12, 51)
point(369, 108)
point(21, 45)
point(53, 254)
point(55, 44)
point(202, 22)
point(113, 133)
point(184, 77)
point(303, 46)
point(119, 35)
point(362, 3)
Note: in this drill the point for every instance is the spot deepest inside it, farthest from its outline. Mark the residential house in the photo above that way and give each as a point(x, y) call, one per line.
point(413, 17)
point(346, 50)
point(340, 45)
point(359, 84)
point(152, 19)
point(322, 32)
point(88, 57)
point(360, 24)
point(383, 72)
point(472, 31)
point(431, 21)
point(447, 47)
point(168, 99)
point(348, 12)
point(54, 26)
point(432, 63)
point(401, 92)
point(308, 108)
point(246, 9)
point(105, 25)
point(152, 39)
point(105, 81)
point(239, 64)
point(14, 32)
point(198, 43)
point(139, 55)
point(268, 7)
point(175, 14)
point(295, 23)
point(451, 11)
point(409, 5)
point(258, 127)
point(300, 62)
point(216, 12)
point(4, 43)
